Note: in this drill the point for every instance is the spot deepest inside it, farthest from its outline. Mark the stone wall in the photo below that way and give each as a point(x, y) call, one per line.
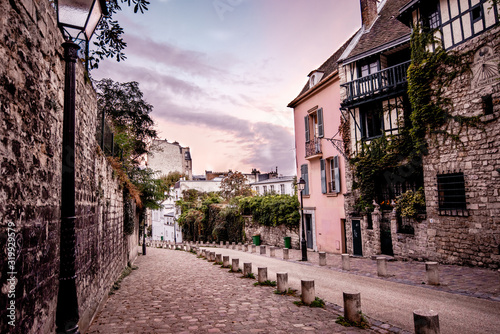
point(272, 236)
point(475, 239)
point(31, 113)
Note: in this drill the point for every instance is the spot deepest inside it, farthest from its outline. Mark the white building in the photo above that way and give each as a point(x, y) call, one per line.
point(170, 157)
point(164, 220)
point(164, 223)
point(282, 185)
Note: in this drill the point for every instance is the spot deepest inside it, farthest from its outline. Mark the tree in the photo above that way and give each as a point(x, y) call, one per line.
point(235, 185)
point(109, 33)
point(128, 113)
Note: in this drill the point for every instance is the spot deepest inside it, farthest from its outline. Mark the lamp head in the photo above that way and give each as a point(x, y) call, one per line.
point(301, 184)
point(77, 17)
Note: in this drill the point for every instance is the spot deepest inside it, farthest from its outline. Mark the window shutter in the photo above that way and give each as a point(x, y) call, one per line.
point(337, 173)
point(323, 176)
point(306, 123)
point(304, 175)
point(321, 131)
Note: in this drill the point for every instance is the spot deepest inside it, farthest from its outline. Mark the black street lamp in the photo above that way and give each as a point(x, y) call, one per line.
point(75, 18)
point(300, 186)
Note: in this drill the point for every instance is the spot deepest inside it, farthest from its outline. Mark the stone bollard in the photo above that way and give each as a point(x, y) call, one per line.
point(308, 294)
point(346, 264)
point(204, 253)
point(221, 244)
point(247, 268)
point(212, 256)
point(245, 247)
point(218, 258)
point(322, 258)
point(352, 306)
point(262, 274)
point(233, 246)
point(282, 282)
point(286, 255)
point(253, 248)
point(426, 322)
point(240, 247)
point(272, 251)
point(225, 261)
point(432, 273)
point(381, 266)
point(235, 265)
point(262, 250)
point(227, 244)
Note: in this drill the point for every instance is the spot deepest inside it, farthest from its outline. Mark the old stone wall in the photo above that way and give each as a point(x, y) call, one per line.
point(475, 238)
point(31, 113)
point(269, 235)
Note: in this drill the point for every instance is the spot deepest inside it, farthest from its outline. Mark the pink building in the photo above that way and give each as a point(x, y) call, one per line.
point(319, 159)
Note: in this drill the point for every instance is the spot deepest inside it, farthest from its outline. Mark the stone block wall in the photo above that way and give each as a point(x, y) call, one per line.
point(31, 113)
point(269, 235)
point(475, 239)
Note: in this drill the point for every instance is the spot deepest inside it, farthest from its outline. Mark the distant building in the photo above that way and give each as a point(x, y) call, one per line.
point(281, 185)
point(170, 157)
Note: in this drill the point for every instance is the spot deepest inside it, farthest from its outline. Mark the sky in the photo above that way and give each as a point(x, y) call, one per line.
point(220, 73)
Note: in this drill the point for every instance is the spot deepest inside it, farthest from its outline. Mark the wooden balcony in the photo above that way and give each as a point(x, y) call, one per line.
point(387, 80)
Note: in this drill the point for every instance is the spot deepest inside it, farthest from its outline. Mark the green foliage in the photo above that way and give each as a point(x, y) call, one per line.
point(289, 292)
point(249, 275)
point(317, 302)
point(364, 324)
point(171, 178)
point(431, 113)
point(109, 33)
point(128, 113)
point(235, 184)
point(266, 283)
point(153, 191)
point(272, 210)
point(410, 203)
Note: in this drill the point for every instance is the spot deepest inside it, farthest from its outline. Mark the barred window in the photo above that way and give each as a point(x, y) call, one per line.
point(451, 194)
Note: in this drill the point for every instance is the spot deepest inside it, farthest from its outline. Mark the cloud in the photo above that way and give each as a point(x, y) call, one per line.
point(171, 56)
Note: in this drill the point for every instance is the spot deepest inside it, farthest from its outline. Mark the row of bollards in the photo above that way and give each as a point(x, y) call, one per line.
point(425, 321)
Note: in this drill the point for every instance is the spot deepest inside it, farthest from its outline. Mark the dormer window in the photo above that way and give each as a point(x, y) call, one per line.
point(314, 78)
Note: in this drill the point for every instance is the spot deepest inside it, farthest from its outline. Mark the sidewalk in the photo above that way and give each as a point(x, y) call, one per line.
point(468, 281)
point(176, 292)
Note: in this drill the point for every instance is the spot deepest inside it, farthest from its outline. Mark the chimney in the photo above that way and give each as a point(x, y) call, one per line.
point(368, 12)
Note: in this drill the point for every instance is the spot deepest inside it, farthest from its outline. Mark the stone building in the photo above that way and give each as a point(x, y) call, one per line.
point(32, 79)
point(170, 157)
point(459, 173)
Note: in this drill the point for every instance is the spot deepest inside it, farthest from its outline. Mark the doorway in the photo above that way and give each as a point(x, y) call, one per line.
point(356, 238)
point(309, 235)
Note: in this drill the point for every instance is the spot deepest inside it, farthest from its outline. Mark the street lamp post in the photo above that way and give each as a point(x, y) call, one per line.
point(301, 185)
point(74, 18)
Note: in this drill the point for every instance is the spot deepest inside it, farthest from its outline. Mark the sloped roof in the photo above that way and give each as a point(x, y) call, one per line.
point(328, 67)
point(274, 180)
point(385, 30)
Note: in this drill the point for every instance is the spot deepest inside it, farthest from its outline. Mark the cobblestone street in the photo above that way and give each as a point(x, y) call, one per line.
point(176, 292)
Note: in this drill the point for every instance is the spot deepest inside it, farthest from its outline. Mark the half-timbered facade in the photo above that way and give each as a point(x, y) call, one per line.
point(459, 173)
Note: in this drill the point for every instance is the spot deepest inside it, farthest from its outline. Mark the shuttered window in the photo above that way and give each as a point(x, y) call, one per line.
point(323, 176)
point(321, 131)
point(306, 124)
point(304, 173)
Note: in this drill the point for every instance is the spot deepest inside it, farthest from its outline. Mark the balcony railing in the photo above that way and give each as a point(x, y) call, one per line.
point(378, 82)
point(313, 147)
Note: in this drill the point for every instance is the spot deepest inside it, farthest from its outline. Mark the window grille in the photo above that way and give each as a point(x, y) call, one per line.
point(451, 194)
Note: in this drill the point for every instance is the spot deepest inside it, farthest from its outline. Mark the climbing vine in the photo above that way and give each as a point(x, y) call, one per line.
point(398, 158)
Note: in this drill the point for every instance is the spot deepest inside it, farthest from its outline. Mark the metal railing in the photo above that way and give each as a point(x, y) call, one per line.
point(383, 80)
point(313, 147)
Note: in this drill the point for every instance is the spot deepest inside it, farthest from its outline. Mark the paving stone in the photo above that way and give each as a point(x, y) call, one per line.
point(175, 292)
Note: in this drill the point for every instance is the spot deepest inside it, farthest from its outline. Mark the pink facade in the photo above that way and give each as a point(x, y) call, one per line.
point(317, 119)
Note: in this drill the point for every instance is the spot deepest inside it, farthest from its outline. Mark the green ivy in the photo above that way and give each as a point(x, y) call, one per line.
point(431, 113)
